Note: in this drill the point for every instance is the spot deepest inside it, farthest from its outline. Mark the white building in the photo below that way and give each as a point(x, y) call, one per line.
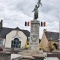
point(13, 37)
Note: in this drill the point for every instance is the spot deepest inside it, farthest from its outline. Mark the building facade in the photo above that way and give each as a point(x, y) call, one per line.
point(49, 41)
point(13, 37)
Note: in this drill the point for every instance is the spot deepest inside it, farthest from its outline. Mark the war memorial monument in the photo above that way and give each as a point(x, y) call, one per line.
point(33, 51)
point(34, 33)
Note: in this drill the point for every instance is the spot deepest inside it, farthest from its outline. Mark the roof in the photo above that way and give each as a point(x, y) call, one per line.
point(4, 31)
point(52, 35)
point(26, 32)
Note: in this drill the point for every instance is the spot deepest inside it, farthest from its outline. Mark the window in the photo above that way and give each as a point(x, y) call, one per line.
point(1, 42)
point(16, 43)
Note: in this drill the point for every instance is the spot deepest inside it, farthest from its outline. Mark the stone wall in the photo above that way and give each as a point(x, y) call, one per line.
point(4, 56)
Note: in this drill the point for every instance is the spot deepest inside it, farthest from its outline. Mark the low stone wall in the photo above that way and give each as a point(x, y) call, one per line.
point(24, 58)
point(5, 56)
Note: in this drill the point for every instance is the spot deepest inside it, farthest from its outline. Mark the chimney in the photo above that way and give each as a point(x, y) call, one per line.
point(1, 24)
point(44, 30)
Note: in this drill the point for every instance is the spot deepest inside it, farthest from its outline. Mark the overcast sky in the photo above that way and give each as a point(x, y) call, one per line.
point(15, 12)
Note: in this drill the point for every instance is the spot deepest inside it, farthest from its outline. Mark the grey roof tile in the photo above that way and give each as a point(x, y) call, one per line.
point(4, 31)
point(53, 35)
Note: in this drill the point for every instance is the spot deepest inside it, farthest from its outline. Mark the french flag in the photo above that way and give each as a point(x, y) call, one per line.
point(43, 24)
point(27, 23)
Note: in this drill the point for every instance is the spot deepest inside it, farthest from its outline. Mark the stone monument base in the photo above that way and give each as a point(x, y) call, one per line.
point(32, 54)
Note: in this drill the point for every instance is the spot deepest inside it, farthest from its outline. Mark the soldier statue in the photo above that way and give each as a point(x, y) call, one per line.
point(36, 9)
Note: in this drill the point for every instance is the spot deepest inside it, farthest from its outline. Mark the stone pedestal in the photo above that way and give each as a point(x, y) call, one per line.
point(34, 36)
point(32, 55)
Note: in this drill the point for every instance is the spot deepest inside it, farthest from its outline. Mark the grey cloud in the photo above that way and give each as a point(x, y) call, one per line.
point(26, 6)
point(46, 8)
point(18, 11)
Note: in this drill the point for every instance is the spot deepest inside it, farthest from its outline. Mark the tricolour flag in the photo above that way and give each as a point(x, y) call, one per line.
point(43, 24)
point(27, 23)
